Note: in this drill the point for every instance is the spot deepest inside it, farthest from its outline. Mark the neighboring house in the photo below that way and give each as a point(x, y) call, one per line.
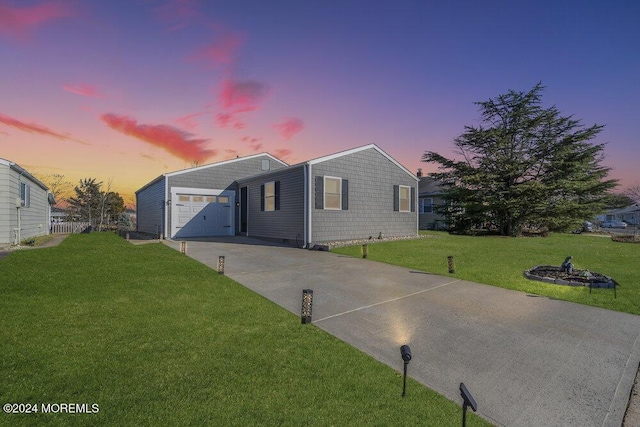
point(430, 197)
point(629, 214)
point(355, 194)
point(25, 204)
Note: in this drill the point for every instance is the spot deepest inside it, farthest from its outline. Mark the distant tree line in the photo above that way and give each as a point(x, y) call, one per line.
point(89, 202)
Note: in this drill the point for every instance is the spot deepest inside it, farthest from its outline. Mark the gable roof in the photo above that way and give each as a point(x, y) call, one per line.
point(224, 162)
point(356, 150)
point(23, 172)
point(428, 186)
point(210, 165)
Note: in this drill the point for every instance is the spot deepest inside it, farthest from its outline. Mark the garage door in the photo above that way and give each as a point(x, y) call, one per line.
point(198, 215)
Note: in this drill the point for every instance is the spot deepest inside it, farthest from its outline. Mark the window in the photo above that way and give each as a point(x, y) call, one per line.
point(426, 205)
point(198, 199)
point(223, 199)
point(184, 198)
point(332, 193)
point(270, 196)
point(25, 195)
point(211, 199)
point(404, 198)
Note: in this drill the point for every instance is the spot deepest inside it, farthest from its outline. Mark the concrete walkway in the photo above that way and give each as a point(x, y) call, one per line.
point(528, 360)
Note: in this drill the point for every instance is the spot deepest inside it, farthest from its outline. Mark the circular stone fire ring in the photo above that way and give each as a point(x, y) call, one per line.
point(556, 275)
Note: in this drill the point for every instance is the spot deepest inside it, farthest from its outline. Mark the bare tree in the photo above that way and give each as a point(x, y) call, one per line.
point(633, 192)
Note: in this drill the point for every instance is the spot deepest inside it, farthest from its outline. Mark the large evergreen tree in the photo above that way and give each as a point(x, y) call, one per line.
point(523, 166)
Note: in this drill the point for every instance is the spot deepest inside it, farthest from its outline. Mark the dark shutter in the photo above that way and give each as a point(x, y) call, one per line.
point(396, 198)
point(262, 197)
point(345, 194)
point(276, 189)
point(413, 199)
point(319, 192)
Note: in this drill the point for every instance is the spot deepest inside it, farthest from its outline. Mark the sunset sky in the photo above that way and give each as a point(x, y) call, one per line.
point(125, 90)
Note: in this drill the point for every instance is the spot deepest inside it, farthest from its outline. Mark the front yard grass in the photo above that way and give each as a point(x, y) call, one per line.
point(501, 261)
point(156, 338)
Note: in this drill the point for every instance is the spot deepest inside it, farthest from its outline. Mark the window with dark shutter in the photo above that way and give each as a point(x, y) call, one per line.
point(396, 198)
point(319, 192)
point(345, 194)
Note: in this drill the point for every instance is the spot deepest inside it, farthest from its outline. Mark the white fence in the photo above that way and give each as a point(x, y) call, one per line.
point(69, 227)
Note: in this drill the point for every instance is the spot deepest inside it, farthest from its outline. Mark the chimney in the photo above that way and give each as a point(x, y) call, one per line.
point(419, 174)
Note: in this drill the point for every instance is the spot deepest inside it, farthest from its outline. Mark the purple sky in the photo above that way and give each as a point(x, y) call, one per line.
point(126, 90)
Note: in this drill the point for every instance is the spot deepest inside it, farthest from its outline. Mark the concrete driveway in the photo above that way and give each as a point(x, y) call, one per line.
point(527, 360)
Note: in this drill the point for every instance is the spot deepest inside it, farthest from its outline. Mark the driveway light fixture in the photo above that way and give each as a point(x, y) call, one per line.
point(307, 306)
point(221, 264)
point(405, 352)
point(467, 400)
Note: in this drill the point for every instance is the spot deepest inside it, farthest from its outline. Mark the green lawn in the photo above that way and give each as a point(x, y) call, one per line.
point(501, 261)
point(156, 338)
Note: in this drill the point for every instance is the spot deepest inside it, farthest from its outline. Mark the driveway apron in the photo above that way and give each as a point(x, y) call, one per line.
point(527, 360)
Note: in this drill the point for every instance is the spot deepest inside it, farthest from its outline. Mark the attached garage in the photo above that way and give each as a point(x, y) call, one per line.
point(199, 201)
point(202, 213)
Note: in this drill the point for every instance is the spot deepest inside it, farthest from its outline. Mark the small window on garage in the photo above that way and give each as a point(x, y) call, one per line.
point(270, 196)
point(184, 198)
point(198, 199)
point(211, 199)
point(223, 199)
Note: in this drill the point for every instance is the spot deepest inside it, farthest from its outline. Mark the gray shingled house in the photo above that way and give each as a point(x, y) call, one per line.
point(430, 197)
point(25, 204)
point(354, 194)
point(200, 201)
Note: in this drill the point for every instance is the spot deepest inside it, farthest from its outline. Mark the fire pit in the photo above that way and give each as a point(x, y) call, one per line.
point(569, 276)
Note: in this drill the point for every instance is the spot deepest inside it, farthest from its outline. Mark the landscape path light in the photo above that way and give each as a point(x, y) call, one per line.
point(405, 352)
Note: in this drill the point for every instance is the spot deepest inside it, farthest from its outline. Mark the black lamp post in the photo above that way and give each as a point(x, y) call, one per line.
point(405, 352)
point(467, 400)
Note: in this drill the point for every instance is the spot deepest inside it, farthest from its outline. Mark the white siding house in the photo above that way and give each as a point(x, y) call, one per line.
point(25, 204)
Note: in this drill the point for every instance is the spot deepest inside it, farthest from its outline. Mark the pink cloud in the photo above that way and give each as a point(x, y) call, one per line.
point(254, 143)
point(83, 90)
point(17, 22)
point(242, 96)
point(222, 51)
point(177, 13)
point(236, 98)
point(36, 128)
point(282, 153)
point(188, 121)
point(289, 127)
point(174, 141)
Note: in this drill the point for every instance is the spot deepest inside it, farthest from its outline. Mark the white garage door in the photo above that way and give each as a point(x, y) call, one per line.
point(201, 215)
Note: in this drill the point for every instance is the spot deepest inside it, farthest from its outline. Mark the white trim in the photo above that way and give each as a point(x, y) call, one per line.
point(324, 193)
point(309, 205)
point(166, 207)
point(224, 162)
point(358, 149)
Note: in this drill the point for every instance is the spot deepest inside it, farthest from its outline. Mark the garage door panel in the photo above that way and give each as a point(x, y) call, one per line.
point(202, 216)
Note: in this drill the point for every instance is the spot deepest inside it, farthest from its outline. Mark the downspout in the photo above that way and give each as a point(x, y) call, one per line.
point(306, 204)
point(309, 236)
point(166, 207)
